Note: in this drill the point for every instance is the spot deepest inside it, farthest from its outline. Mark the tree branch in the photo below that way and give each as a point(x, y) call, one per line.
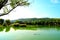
point(8, 12)
point(18, 4)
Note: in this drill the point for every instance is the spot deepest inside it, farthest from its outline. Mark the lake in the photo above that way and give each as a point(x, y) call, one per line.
point(38, 34)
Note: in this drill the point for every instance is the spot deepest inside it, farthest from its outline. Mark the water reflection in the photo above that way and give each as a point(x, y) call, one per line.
point(7, 29)
point(31, 34)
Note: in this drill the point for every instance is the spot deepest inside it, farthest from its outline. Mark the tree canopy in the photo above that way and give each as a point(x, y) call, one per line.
point(13, 4)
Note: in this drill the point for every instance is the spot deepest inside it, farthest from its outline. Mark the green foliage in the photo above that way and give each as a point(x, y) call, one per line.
point(1, 1)
point(16, 25)
point(7, 29)
point(23, 25)
point(15, 3)
point(5, 9)
point(7, 22)
point(1, 29)
point(31, 23)
point(1, 21)
point(17, 21)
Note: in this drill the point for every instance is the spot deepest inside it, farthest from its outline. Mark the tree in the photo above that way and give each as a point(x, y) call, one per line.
point(1, 21)
point(2, 3)
point(17, 21)
point(8, 22)
point(13, 4)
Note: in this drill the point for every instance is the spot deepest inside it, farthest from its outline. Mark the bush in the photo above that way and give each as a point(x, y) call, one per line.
point(7, 22)
point(16, 24)
point(23, 25)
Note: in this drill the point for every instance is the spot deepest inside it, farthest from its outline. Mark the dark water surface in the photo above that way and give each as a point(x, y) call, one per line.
point(39, 34)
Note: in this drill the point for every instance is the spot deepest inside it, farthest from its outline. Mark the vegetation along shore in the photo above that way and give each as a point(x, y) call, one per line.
point(30, 23)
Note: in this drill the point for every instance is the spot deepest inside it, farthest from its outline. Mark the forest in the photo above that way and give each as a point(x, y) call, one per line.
point(31, 21)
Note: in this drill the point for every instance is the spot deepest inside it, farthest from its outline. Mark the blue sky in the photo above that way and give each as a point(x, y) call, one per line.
point(36, 9)
point(46, 8)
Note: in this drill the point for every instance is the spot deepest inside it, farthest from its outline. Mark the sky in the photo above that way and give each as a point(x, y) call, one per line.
point(36, 9)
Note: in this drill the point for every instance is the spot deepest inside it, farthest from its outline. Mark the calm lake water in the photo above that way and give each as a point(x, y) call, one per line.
point(39, 34)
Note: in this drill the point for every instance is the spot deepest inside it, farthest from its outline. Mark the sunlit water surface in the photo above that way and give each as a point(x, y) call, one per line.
point(39, 34)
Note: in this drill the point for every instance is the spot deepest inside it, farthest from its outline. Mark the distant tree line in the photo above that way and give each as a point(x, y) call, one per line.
point(29, 23)
point(40, 21)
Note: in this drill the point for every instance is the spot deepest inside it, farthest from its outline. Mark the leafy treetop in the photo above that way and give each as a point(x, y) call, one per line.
point(13, 4)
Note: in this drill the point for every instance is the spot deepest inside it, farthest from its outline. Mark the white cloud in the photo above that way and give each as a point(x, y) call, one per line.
point(55, 1)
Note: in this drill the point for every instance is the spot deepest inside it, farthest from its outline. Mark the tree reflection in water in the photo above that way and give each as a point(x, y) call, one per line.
point(7, 28)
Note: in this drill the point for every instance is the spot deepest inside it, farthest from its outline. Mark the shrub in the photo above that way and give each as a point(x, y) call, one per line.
point(7, 22)
point(16, 24)
point(23, 25)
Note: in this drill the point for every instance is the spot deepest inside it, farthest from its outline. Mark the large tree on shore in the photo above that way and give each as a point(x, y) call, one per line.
point(13, 4)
